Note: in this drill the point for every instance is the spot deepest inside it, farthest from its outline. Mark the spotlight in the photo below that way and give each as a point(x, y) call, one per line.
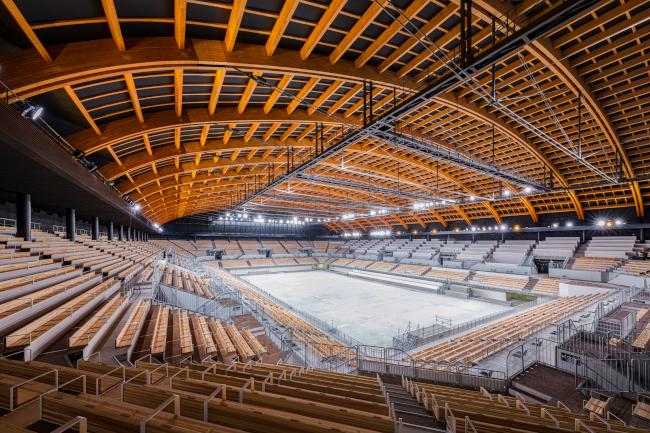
point(503, 227)
point(555, 225)
point(516, 227)
point(601, 223)
point(472, 198)
point(33, 112)
point(569, 224)
point(473, 229)
point(137, 206)
point(618, 222)
point(528, 190)
point(506, 193)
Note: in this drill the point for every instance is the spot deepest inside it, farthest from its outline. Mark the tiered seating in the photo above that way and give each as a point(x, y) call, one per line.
point(203, 336)
point(209, 397)
point(447, 274)
point(481, 411)
point(382, 266)
point(284, 261)
point(638, 267)
point(601, 264)
point(234, 263)
point(91, 327)
point(310, 335)
point(321, 246)
point(359, 264)
point(477, 251)
point(513, 251)
point(341, 262)
point(128, 334)
point(643, 338)
point(252, 342)
point(160, 322)
point(306, 260)
point(224, 345)
point(410, 269)
point(187, 281)
point(275, 246)
point(474, 346)
point(249, 247)
point(36, 328)
point(243, 349)
point(556, 248)
point(181, 320)
point(261, 262)
point(490, 279)
point(293, 247)
point(614, 247)
point(547, 285)
point(231, 248)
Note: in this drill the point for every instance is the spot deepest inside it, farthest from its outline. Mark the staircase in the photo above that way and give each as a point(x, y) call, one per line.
point(530, 284)
point(415, 418)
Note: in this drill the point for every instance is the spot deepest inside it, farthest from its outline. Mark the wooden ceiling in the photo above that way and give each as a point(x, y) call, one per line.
point(168, 103)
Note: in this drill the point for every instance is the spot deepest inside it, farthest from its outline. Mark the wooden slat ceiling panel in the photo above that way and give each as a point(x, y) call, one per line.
point(185, 130)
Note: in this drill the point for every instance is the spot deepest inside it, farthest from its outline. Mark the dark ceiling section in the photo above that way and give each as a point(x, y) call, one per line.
point(33, 163)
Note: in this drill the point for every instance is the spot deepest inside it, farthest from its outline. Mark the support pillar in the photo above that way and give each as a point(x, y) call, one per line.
point(24, 216)
point(70, 225)
point(121, 233)
point(110, 230)
point(128, 234)
point(95, 228)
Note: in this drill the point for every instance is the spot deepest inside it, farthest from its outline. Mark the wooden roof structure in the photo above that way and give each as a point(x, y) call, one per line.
point(189, 106)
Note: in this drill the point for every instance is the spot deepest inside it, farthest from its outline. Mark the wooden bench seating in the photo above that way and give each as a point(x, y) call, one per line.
point(91, 327)
point(25, 265)
point(25, 335)
point(243, 350)
point(185, 337)
point(642, 408)
point(33, 299)
point(411, 269)
point(33, 278)
point(253, 343)
point(598, 404)
point(223, 343)
point(160, 321)
point(127, 335)
point(476, 345)
point(204, 342)
point(495, 413)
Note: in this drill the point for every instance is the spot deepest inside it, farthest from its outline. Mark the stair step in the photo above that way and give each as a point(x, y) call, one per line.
point(416, 418)
point(412, 428)
point(409, 408)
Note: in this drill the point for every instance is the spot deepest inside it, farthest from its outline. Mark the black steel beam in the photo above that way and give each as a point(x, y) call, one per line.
point(372, 188)
point(535, 29)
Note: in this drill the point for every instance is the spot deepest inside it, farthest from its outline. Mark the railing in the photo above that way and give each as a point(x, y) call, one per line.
point(330, 328)
point(7, 223)
point(413, 338)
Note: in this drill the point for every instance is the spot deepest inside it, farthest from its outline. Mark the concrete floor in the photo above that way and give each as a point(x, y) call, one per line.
point(369, 311)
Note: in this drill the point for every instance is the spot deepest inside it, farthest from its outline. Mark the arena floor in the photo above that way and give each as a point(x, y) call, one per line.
point(369, 311)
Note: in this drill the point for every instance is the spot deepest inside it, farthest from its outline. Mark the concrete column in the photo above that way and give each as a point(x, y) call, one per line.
point(70, 224)
point(128, 234)
point(95, 228)
point(110, 230)
point(121, 233)
point(24, 216)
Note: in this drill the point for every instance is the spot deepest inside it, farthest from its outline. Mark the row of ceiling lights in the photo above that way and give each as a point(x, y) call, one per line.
point(601, 222)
